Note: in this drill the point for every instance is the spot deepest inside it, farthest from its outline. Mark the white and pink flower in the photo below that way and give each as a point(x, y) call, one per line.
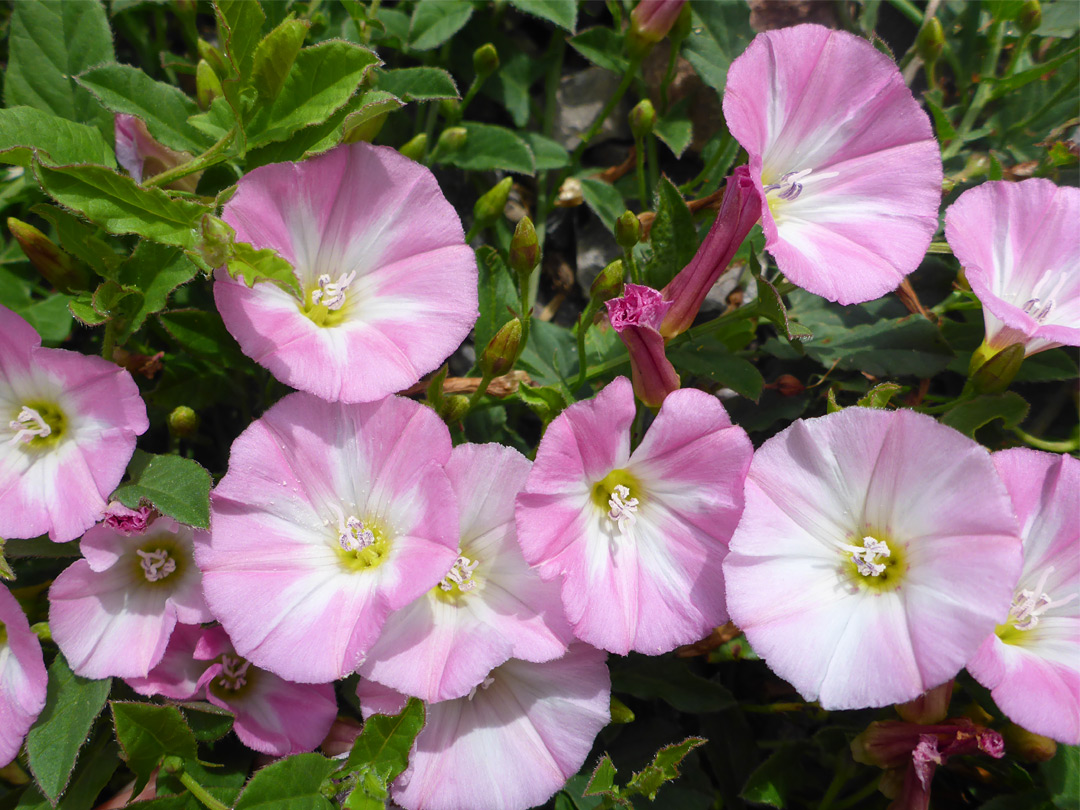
point(636, 539)
point(68, 424)
point(22, 677)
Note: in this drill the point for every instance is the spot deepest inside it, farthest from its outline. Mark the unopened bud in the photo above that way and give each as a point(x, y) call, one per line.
point(485, 60)
point(642, 118)
point(213, 56)
point(454, 408)
point(58, 267)
point(450, 108)
point(608, 284)
point(1030, 16)
point(215, 240)
point(415, 148)
point(452, 139)
point(502, 350)
point(183, 422)
point(627, 230)
point(490, 206)
point(996, 373)
point(207, 84)
point(650, 22)
point(524, 248)
point(788, 385)
point(620, 712)
point(930, 41)
point(1027, 746)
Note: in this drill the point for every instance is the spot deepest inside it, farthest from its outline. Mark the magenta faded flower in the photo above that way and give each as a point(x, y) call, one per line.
point(490, 606)
point(1031, 662)
point(389, 284)
point(637, 539)
point(844, 158)
point(125, 520)
point(113, 612)
point(637, 316)
point(329, 517)
point(22, 677)
point(143, 156)
point(511, 743)
point(739, 210)
point(68, 424)
point(876, 552)
point(1019, 245)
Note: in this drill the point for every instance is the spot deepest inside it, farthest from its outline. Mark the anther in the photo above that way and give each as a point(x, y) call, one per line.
point(29, 425)
point(331, 294)
point(622, 508)
point(460, 575)
point(865, 558)
point(156, 565)
point(233, 672)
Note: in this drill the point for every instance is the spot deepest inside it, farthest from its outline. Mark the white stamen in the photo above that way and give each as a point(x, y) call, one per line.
point(460, 575)
point(865, 558)
point(233, 672)
point(790, 186)
point(156, 565)
point(488, 681)
point(351, 532)
point(622, 508)
point(1038, 310)
point(331, 294)
point(1030, 604)
point(28, 425)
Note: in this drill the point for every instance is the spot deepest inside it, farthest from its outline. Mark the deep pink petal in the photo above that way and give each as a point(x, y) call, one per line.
point(22, 677)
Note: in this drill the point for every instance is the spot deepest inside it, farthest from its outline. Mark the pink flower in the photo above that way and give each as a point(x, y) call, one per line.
point(514, 740)
point(843, 156)
point(490, 607)
point(876, 552)
point(329, 517)
point(651, 20)
point(22, 677)
point(636, 538)
point(1031, 662)
point(176, 675)
point(1019, 246)
point(740, 209)
point(389, 283)
point(113, 612)
point(68, 424)
point(143, 156)
point(637, 316)
point(125, 520)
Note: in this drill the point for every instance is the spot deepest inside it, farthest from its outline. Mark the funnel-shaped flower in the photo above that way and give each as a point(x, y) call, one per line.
point(113, 612)
point(740, 209)
point(1031, 663)
point(22, 677)
point(514, 740)
point(638, 538)
point(637, 316)
point(1019, 245)
point(68, 424)
point(490, 607)
point(144, 156)
point(843, 156)
point(329, 517)
point(389, 283)
point(876, 552)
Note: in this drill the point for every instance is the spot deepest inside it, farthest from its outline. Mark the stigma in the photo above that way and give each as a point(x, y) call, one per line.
point(460, 575)
point(156, 565)
point(1029, 605)
point(622, 509)
point(331, 294)
point(866, 558)
point(29, 425)
point(233, 672)
point(790, 185)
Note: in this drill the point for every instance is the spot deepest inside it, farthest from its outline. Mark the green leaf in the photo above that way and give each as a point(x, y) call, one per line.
point(879, 395)
point(163, 108)
point(202, 333)
point(149, 733)
point(156, 270)
point(603, 47)
point(546, 402)
point(547, 152)
point(381, 752)
point(275, 55)
point(489, 147)
point(550, 356)
point(561, 12)
point(98, 761)
point(177, 487)
point(239, 30)
point(675, 128)
point(706, 356)
point(663, 768)
point(120, 205)
point(262, 265)
point(71, 706)
point(498, 292)
point(943, 127)
point(80, 239)
point(435, 21)
point(322, 79)
point(673, 236)
point(50, 41)
point(1013, 83)
point(116, 302)
point(604, 200)
point(288, 784)
point(771, 781)
point(772, 308)
point(1062, 774)
point(24, 129)
point(602, 783)
point(207, 721)
point(671, 680)
point(372, 104)
point(969, 416)
point(49, 316)
point(718, 33)
point(417, 83)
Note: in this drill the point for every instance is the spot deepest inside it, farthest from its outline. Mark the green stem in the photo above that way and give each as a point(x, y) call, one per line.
point(631, 265)
point(639, 149)
point(197, 164)
point(839, 779)
point(1066, 446)
point(858, 796)
point(653, 161)
point(1018, 51)
point(582, 328)
point(485, 381)
point(776, 708)
point(598, 122)
point(470, 94)
point(982, 93)
point(108, 343)
point(909, 10)
point(556, 49)
point(474, 229)
point(199, 792)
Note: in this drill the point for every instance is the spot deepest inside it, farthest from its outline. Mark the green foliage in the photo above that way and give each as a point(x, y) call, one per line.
point(292, 783)
point(263, 264)
point(275, 55)
point(98, 761)
point(418, 83)
point(489, 147)
point(379, 755)
point(498, 294)
point(969, 416)
point(673, 236)
point(435, 21)
point(562, 13)
point(646, 782)
point(177, 487)
point(26, 130)
point(719, 33)
point(147, 734)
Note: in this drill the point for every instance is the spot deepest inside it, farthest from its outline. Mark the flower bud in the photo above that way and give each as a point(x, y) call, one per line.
point(450, 108)
point(930, 41)
point(451, 139)
point(620, 712)
point(502, 350)
point(415, 148)
point(59, 268)
point(992, 376)
point(642, 118)
point(207, 84)
point(931, 706)
point(627, 230)
point(489, 207)
point(183, 422)
point(1027, 746)
point(650, 22)
point(454, 408)
point(485, 60)
point(1030, 16)
point(524, 248)
point(788, 385)
point(213, 56)
point(608, 283)
point(215, 240)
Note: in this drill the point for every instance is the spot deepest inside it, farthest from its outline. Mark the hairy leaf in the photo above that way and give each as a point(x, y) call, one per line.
point(177, 487)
